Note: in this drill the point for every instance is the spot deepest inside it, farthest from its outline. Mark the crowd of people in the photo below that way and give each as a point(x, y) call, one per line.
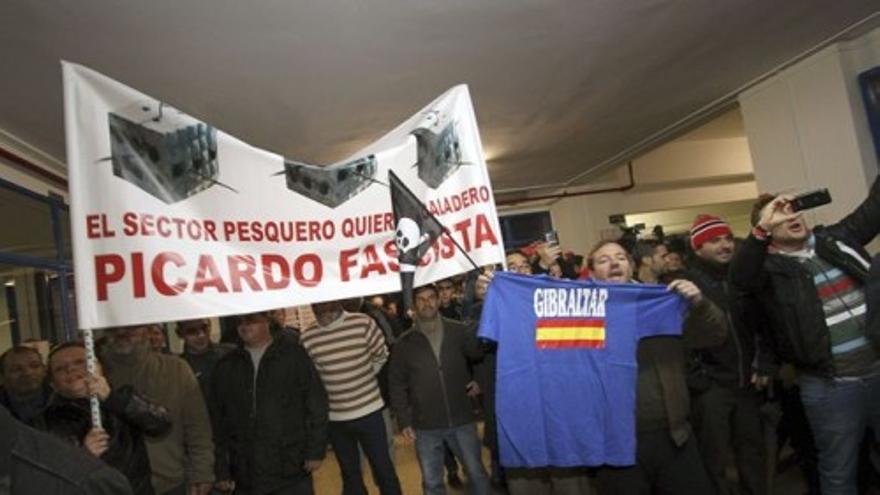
point(779, 347)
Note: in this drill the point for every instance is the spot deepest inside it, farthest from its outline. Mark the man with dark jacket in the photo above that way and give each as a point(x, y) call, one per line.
point(270, 414)
point(24, 390)
point(32, 461)
point(199, 352)
point(812, 283)
point(650, 258)
point(725, 380)
point(872, 296)
point(449, 306)
point(547, 254)
point(126, 416)
point(430, 380)
point(667, 459)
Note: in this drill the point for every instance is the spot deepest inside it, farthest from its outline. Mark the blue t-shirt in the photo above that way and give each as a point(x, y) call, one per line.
point(566, 377)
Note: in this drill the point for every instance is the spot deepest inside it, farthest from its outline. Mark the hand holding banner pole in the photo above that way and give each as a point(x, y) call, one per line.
point(91, 360)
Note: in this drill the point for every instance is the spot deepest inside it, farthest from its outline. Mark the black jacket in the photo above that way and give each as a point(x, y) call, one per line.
point(452, 311)
point(203, 365)
point(31, 412)
point(872, 297)
point(744, 351)
point(127, 417)
point(786, 289)
point(425, 393)
point(661, 362)
point(263, 437)
point(567, 268)
point(34, 462)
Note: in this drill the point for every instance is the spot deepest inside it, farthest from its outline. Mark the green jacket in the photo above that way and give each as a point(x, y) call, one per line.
point(186, 452)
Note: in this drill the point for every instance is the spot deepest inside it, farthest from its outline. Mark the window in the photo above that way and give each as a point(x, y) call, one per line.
point(32, 304)
point(523, 229)
point(36, 279)
point(29, 221)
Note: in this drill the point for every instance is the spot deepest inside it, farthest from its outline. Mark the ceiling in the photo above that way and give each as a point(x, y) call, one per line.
point(563, 89)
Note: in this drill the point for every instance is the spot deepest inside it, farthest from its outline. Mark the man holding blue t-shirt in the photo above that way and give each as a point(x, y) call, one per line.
point(667, 459)
point(568, 356)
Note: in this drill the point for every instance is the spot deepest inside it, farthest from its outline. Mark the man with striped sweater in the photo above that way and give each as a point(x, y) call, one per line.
point(349, 350)
point(812, 283)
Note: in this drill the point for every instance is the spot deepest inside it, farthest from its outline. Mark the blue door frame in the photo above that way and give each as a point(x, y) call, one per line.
point(59, 264)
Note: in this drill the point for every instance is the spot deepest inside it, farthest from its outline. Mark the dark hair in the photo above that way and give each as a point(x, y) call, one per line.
point(352, 304)
point(392, 297)
point(65, 345)
point(183, 324)
point(451, 281)
point(425, 287)
point(265, 314)
point(69, 345)
point(644, 248)
point(762, 201)
point(19, 349)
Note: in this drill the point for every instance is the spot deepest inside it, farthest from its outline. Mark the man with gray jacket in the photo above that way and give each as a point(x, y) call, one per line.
point(430, 384)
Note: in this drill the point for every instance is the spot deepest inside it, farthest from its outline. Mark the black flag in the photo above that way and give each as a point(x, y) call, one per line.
point(416, 229)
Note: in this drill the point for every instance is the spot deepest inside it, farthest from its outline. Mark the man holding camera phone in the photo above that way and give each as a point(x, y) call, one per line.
point(812, 284)
point(549, 252)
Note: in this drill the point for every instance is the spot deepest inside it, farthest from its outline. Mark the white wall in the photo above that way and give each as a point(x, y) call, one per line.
point(681, 174)
point(23, 178)
point(804, 128)
point(807, 126)
point(680, 221)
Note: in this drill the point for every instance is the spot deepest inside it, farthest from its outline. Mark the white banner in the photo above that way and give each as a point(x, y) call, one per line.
point(174, 219)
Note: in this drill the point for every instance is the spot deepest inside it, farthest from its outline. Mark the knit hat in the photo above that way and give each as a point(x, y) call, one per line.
point(706, 228)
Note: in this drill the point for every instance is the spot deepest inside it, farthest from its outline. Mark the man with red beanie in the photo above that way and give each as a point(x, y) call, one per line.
point(723, 381)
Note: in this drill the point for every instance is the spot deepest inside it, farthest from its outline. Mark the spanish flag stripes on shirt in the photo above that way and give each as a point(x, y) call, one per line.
point(570, 333)
point(567, 373)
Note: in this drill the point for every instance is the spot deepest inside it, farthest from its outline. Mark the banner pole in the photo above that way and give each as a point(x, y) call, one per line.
point(91, 360)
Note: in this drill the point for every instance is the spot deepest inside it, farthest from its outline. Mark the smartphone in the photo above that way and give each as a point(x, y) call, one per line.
point(551, 238)
point(810, 199)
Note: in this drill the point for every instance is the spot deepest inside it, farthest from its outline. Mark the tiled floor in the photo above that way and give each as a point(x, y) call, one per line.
point(329, 482)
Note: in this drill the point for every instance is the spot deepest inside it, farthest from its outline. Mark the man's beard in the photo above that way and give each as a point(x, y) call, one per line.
point(134, 349)
point(434, 316)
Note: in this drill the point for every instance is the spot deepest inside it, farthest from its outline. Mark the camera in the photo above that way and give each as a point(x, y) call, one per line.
point(810, 200)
